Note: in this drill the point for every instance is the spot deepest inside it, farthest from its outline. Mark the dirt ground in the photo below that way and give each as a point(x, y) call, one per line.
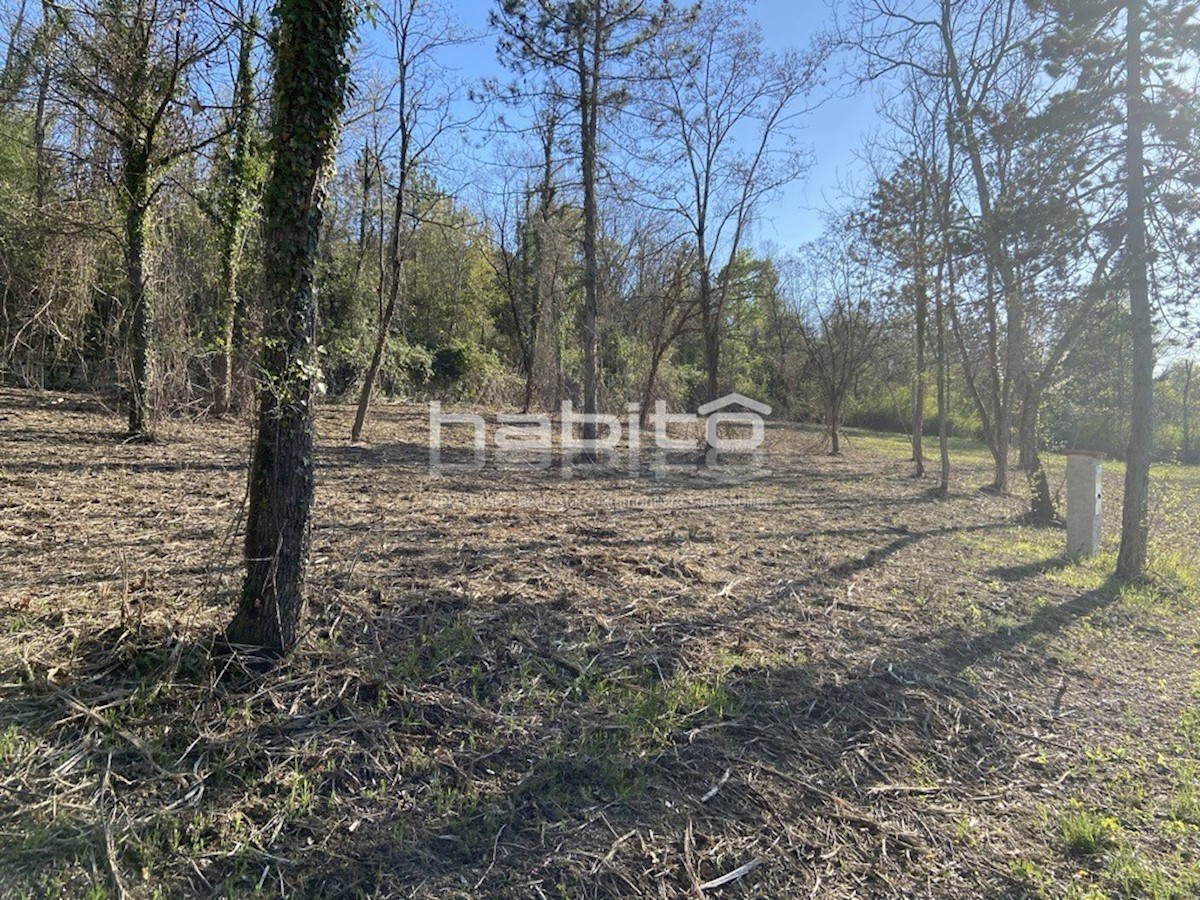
point(819, 682)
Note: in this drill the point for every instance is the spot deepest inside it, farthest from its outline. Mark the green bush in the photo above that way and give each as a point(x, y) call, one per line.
point(453, 363)
point(890, 409)
point(404, 367)
point(462, 370)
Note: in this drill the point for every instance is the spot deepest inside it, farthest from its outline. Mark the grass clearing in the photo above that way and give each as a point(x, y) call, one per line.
point(514, 684)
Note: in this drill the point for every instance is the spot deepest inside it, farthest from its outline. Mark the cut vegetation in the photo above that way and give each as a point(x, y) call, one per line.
point(825, 682)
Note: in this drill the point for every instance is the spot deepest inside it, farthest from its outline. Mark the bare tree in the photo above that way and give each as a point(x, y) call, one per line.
point(420, 103)
point(666, 301)
point(833, 289)
point(726, 113)
point(532, 230)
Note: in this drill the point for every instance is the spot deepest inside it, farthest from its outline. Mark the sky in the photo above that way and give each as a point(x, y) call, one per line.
point(834, 132)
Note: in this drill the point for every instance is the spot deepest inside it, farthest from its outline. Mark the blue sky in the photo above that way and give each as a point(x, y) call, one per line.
point(834, 132)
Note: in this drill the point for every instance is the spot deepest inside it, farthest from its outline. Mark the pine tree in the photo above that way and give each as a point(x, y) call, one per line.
point(1123, 69)
point(582, 46)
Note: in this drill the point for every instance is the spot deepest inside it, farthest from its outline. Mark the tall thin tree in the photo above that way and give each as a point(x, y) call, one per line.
point(583, 47)
point(311, 68)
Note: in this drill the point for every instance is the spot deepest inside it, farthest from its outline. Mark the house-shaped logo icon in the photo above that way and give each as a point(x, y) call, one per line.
point(735, 399)
point(717, 413)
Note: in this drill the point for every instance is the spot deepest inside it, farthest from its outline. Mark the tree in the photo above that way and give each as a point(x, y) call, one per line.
point(833, 290)
point(1123, 83)
point(584, 48)
point(311, 68)
point(420, 101)
point(531, 230)
point(1033, 267)
point(902, 222)
point(240, 174)
point(982, 86)
point(909, 220)
point(128, 62)
point(665, 300)
point(726, 113)
point(1131, 556)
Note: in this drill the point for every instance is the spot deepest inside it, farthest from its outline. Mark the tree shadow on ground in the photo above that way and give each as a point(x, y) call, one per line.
point(405, 741)
point(1020, 571)
point(799, 761)
point(463, 736)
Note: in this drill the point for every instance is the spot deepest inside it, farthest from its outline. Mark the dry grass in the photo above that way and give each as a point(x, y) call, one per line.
point(819, 683)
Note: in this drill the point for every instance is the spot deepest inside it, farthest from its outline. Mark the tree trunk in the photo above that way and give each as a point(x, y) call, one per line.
point(395, 258)
point(1041, 504)
point(656, 354)
point(835, 428)
point(223, 402)
point(710, 322)
point(943, 408)
point(1027, 450)
point(944, 295)
point(40, 160)
point(381, 336)
point(236, 213)
point(546, 357)
point(1131, 557)
point(918, 398)
point(543, 320)
point(137, 213)
point(309, 86)
point(527, 400)
point(942, 386)
point(1186, 413)
point(589, 99)
point(1000, 448)
point(364, 211)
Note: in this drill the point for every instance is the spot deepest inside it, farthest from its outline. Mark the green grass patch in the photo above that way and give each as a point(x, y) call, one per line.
point(1132, 876)
point(1088, 574)
point(1087, 833)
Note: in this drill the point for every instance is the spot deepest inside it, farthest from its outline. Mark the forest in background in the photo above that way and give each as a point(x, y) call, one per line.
point(603, 252)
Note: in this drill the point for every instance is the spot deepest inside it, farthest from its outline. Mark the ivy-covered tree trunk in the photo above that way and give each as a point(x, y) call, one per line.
point(137, 214)
point(310, 80)
point(236, 216)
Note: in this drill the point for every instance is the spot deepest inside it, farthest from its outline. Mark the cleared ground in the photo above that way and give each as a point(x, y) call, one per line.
point(823, 682)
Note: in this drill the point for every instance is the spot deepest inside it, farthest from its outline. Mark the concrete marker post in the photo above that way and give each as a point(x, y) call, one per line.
point(1085, 503)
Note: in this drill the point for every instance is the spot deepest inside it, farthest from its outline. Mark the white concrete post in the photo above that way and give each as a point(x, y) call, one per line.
point(1084, 503)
